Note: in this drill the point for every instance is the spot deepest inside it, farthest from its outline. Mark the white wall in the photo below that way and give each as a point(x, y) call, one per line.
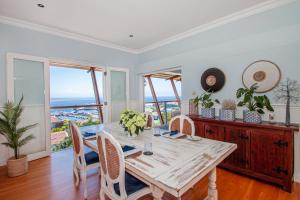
point(20, 40)
point(273, 35)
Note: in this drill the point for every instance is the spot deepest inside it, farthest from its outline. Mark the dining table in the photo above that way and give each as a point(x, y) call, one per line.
point(176, 165)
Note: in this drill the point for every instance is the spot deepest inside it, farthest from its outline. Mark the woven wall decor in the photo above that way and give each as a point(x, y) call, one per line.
point(265, 74)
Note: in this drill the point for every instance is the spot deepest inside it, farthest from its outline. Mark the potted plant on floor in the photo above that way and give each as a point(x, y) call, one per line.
point(207, 104)
point(227, 112)
point(10, 118)
point(255, 104)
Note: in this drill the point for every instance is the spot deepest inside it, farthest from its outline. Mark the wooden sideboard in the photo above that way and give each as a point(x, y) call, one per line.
point(265, 151)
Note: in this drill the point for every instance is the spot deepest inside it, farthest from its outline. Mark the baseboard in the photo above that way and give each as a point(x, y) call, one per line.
point(297, 177)
point(2, 163)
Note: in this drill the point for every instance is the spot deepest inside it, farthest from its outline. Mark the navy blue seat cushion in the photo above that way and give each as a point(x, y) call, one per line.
point(91, 157)
point(127, 148)
point(132, 185)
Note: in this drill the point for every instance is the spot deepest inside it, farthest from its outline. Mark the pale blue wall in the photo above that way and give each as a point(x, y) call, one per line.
point(273, 35)
point(19, 40)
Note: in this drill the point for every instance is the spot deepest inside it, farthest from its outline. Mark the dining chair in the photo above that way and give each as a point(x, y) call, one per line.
point(82, 161)
point(149, 120)
point(183, 124)
point(117, 184)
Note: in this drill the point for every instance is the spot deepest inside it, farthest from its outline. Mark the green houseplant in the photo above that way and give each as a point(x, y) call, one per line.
point(255, 104)
point(207, 104)
point(133, 122)
point(10, 118)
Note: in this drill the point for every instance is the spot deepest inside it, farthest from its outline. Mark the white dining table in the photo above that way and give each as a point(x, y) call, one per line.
point(176, 164)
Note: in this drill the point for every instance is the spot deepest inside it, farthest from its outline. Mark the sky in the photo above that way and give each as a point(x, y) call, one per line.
point(74, 83)
point(163, 88)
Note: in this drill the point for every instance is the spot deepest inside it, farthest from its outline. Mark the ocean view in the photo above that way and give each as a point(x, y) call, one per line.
point(90, 100)
point(83, 114)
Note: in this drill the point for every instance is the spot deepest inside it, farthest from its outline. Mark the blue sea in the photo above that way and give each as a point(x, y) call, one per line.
point(88, 101)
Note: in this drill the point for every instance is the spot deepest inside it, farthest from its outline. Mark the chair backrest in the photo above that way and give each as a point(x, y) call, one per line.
point(112, 165)
point(182, 124)
point(77, 143)
point(149, 120)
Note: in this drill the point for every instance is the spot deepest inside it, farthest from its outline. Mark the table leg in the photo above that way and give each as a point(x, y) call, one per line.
point(212, 186)
point(157, 193)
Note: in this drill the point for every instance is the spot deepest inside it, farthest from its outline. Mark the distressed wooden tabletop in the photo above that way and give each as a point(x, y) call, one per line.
point(176, 164)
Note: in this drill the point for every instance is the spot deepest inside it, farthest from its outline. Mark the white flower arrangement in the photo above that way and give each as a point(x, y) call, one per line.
point(133, 122)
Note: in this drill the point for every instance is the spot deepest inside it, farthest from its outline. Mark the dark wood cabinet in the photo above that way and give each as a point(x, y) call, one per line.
point(269, 153)
point(264, 151)
point(241, 157)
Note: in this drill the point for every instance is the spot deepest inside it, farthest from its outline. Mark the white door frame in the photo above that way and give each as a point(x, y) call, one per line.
point(10, 95)
point(107, 91)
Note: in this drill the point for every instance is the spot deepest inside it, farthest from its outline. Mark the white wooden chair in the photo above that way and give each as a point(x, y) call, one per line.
point(149, 120)
point(82, 161)
point(183, 124)
point(117, 184)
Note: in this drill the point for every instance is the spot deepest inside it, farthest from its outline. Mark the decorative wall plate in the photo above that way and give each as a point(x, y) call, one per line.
point(264, 73)
point(212, 80)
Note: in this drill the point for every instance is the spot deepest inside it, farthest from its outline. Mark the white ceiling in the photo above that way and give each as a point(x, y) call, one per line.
point(112, 21)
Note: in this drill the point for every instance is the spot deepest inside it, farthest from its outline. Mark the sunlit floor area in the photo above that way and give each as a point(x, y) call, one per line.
point(52, 178)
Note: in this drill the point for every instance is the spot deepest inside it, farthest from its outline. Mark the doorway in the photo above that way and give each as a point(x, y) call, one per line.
point(162, 95)
point(76, 94)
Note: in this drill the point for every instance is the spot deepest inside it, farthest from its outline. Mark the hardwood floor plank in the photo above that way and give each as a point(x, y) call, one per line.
point(52, 179)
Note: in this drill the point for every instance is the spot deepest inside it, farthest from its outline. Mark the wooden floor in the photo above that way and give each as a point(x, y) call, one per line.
point(52, 178)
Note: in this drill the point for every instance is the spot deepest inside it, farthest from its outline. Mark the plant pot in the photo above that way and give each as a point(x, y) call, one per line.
point(252, 117)
point(17, 167)
point(227, 115)
point(208, 112)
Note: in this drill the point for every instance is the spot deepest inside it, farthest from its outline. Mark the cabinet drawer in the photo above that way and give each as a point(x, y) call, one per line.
point(214, 132)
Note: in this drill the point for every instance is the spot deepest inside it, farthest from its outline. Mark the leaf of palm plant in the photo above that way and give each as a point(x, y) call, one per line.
point(22, 130)
point(7, 144)
point(25, 140)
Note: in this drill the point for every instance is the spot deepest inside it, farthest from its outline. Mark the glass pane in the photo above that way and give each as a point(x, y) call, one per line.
point(29, 82)
point(118, 94)
point(99, 78)
point(70, 86)
point(165, 96)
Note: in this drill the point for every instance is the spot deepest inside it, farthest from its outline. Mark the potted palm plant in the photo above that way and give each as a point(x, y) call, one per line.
point(10, 118)
point(207, 104)
point(255, 104)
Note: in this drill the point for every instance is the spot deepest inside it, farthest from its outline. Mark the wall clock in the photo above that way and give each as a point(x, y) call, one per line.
point(212, 80)
point(264, 73)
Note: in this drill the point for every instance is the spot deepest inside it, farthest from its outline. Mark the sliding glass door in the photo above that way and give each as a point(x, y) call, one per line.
point(27, 76)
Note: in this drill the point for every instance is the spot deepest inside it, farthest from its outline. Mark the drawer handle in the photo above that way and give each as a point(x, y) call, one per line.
point(209, 131)
point(243, 137)
point(244, 161)
point(279, 170)
point(281, 143)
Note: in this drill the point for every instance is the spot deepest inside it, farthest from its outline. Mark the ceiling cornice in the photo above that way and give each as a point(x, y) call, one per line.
point(61, 33)
point(259, 8)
